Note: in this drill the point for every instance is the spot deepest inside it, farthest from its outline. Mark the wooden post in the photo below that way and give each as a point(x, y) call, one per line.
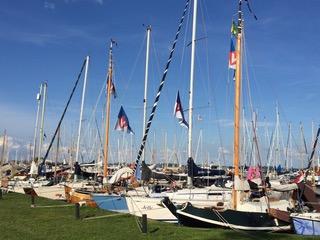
point(77, 211)
point(144, 224)
point(32, 201)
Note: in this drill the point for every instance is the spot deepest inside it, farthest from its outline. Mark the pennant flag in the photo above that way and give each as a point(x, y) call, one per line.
point(234, 29)
point(123, 122)
point(112, 89)
point(178, 112)
point(232, 56)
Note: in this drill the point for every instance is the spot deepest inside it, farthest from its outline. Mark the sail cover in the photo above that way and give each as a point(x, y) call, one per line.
point(195, 171)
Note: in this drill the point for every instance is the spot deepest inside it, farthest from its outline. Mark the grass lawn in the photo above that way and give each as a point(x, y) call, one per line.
point(19, 221)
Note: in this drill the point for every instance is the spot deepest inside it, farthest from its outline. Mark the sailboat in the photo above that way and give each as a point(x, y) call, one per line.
point(242, 215)
point(211, 196)
point(118, 199)
point(121, 203)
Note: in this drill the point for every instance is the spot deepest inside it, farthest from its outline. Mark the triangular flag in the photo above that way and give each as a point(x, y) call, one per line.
point(234, 29)
point(123, 122)
point(178, 112)
point(232, 56)
point(112, 89)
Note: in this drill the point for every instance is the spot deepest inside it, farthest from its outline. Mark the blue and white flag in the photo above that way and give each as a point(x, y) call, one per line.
point(178, 112)
point(123, 122)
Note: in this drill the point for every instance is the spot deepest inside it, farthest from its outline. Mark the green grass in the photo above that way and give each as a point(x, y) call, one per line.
point(19, 221)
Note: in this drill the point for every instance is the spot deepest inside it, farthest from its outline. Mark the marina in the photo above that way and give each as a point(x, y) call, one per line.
point(238, 161)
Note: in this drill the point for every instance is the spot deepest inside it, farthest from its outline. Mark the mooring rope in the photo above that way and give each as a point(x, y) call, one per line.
point(155, 104)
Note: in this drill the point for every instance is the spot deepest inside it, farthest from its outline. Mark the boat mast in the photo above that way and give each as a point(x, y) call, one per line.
point(106, 143)
point(305, 150)
point(57, 157)
point(81, 108)
point(277, 150)
point(3, 147)
point(313, 164)
point(287, 148)
point(146, 88)
point(237, 107)
point(41, 134)
point(193, 42)
point(36, 125)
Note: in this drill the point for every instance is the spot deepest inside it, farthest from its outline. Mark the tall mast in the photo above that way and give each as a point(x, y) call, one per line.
point(41, 134)
point(290, 146)
point(304, 151)
point(312, 137)
point(165, 151)
point(36, 125)
point(237, 107)
point(277, 152)
point(106, 143)
point(193, 42)
point(81, 108)
point(287, 148)
point(57, 156)
point(146, 87)
point(3, 147)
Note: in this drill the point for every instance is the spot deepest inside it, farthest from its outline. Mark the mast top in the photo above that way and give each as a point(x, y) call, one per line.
point(148, 27)
point(240, 17)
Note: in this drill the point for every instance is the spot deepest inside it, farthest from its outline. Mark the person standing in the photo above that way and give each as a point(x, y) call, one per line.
point(77, 171)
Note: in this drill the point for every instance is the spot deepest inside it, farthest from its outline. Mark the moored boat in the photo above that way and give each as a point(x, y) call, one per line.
point(306, 223)
point(80, 196)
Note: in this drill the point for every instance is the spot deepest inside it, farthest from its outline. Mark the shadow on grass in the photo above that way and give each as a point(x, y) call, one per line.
point(154, 230)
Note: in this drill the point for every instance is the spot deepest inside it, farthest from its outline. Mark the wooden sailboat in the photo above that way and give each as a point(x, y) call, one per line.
point(119, 202)
point(110, 88)
point(243, 217)
point(109, 201)
point(78, 195)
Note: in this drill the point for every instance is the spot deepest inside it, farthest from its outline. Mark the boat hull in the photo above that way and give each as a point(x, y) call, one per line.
point(111, 202)
point(74, 196)
point(152, 207)
point(192, 216)
point(306, 225)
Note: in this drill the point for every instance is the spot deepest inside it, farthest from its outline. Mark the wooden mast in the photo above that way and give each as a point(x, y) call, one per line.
point(3, 147)
point(236, 149)
point(106, 143)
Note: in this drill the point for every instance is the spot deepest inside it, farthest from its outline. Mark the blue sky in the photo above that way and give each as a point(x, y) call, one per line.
point(48, 40)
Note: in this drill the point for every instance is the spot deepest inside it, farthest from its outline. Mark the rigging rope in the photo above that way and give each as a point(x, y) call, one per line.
point(159, 90)
point(313, 149)
point(64, 112)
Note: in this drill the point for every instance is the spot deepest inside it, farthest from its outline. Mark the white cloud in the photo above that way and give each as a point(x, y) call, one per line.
point(49, 5)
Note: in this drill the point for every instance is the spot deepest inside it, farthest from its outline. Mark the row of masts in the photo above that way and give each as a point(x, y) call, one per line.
point(39, 131)
point(43, 89)
point(108, 103)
